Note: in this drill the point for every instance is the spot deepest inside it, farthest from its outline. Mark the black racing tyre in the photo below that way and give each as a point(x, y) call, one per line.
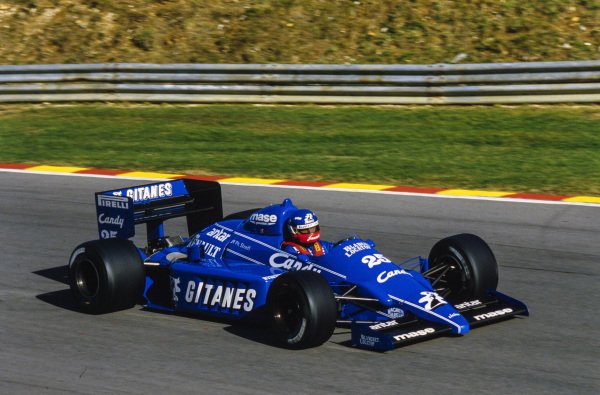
point(242, 214)
point(303, 309)
point(462, 266)
point(106, 275)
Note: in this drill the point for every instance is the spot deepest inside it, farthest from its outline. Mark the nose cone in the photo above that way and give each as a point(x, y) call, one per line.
point(429, 306)
point(447, 314)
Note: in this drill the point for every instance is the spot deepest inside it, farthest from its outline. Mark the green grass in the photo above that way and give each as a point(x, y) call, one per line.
point(550, 149)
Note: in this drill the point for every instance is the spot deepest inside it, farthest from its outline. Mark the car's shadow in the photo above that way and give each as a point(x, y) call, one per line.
point(262, 333)
point(255, 331)
point(59, 274)
point(63, 297)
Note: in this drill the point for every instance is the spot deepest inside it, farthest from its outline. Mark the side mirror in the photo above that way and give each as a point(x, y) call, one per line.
point(303, 258)
point(370, 242)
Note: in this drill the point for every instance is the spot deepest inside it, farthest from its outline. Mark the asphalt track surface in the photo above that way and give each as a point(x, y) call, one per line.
point(549, 257)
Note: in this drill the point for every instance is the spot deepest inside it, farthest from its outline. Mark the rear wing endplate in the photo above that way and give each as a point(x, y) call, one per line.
point(119, 210)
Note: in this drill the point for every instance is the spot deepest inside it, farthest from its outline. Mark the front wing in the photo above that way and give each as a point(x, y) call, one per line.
point(391, 334)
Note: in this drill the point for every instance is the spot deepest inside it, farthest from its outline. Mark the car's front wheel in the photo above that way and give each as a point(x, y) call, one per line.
point(462, 266)
point(303, 309)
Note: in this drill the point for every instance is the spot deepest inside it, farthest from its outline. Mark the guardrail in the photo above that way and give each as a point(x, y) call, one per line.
point(495, 83)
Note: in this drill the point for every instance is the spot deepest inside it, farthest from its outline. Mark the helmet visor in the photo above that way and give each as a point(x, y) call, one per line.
point(310, 230)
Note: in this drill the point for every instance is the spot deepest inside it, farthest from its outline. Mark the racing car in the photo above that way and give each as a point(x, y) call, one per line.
point(234, 267)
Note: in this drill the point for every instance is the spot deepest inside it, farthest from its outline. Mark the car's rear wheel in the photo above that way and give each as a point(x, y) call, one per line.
point(303, 309)
point(462, 266)
point(106, 275)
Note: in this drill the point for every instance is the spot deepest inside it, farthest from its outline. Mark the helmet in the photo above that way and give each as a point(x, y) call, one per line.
point(303, 227)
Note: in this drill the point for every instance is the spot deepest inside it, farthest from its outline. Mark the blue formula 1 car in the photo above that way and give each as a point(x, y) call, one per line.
point(234, 267)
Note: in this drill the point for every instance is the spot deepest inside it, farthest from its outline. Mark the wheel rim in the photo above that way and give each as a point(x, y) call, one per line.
point(87, 279)
point(447, 276)
point(288, 313)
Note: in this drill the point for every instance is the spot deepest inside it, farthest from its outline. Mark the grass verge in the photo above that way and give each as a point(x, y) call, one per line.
point(546, 149)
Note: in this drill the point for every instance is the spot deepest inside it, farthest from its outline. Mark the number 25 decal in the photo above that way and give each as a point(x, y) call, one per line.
point(374, 260)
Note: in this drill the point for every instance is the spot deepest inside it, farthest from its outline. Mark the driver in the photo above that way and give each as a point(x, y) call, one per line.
point(302, 234)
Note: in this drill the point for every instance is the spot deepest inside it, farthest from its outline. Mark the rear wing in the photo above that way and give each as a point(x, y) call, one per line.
point(119, 210)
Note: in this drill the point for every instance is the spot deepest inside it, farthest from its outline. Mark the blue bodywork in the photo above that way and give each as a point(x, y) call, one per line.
point(225, 266)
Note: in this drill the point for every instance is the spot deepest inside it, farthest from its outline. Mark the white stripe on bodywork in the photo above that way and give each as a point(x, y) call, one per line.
point(328, 270)
point(245, 257)
point(277, 250)
point(249, 238)
point(416, 306)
